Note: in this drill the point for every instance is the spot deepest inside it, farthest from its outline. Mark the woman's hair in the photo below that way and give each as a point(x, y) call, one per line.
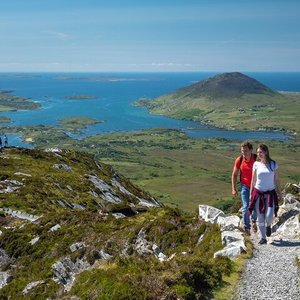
point(269, 160)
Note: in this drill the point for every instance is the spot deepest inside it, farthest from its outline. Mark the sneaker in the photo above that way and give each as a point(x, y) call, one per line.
point(254, 226)
point(262, 241)
point(268, 231)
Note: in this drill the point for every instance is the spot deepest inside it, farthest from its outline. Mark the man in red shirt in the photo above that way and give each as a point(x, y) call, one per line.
point(243, 165)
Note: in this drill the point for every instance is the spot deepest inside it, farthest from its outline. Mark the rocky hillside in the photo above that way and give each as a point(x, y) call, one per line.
point(72, 228)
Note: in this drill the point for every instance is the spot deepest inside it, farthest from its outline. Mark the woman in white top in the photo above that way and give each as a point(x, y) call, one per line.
point(264, 191)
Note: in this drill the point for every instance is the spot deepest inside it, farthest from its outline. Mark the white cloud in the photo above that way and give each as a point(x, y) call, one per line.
point(56, 34)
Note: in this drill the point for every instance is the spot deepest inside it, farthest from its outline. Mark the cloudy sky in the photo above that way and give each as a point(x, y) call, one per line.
point(149, 35)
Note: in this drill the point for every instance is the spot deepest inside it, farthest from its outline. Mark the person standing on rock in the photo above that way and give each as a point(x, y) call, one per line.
point(243, 165)
point(264, 191)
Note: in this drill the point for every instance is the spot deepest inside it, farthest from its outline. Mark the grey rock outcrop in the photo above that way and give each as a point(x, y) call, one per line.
point(64, 271)
point(64, 167)
point(20, 215)
point(32, 285)
point(210, 213)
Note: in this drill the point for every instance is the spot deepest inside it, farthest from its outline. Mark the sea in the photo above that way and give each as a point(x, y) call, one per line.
point(113, 96)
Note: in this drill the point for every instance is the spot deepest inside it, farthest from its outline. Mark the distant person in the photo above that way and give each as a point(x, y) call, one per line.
point(265, 191)
point(5, 141)
point(0, 142)
point(243, 165)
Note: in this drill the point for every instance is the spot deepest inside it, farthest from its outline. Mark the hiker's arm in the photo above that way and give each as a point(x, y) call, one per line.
point(277, 184)
point(234, 181)
point(253, 181)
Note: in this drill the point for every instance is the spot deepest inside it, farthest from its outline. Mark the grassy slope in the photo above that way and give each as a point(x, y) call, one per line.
point(246, 113)
point(127, 275)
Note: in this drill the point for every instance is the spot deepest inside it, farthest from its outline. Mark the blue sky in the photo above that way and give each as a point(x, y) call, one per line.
point(156, 35)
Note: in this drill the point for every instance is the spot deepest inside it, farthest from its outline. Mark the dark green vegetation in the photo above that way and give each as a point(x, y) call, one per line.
point(10, 102)
point(4, 119)
point(231, 100)
point(52, 192)
point(76, 123)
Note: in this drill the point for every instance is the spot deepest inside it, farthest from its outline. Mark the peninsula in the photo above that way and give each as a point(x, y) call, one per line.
point(231, 101)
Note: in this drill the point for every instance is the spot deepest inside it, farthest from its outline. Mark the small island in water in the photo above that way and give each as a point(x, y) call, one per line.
point(80, 97)
point(76, 123)
point(9, 102)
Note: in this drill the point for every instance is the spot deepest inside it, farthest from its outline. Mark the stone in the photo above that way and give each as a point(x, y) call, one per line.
point(5, 278)
point(289, 229)
point(76, 246)
point(229, 221)
point(32, 285)
point(210, 213)
point(231, 236)
point(34, 241)
point(229, 252)
point(54, 228)
point(63, 167)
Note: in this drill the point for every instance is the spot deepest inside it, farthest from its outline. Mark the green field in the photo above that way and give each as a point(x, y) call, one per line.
point(176, 169)
point(249, 112)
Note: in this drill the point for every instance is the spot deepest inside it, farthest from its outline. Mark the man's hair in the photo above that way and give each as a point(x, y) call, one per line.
point(247, 144)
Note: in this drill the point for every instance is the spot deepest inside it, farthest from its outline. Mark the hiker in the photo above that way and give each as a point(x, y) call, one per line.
point(5, 141)
point(0, 144)
point(264, 191)
point(243, 165)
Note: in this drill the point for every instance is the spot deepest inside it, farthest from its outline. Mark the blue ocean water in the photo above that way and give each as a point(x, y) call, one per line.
point(114, 94)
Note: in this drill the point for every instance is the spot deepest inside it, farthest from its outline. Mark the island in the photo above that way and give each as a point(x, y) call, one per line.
point(76, 123)
point(9, 102)
point(80, 97)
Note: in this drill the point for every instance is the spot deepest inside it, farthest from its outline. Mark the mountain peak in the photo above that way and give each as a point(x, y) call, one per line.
point(228, 85)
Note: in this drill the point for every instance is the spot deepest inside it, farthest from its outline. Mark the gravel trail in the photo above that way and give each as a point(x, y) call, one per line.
point(272, 273)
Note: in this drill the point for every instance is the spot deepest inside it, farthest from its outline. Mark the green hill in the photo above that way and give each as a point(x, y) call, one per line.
point(231, 100)
point(72, 228)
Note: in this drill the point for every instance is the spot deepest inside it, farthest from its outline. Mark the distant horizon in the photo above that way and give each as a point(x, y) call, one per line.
point(120, 72)
point(75, 36)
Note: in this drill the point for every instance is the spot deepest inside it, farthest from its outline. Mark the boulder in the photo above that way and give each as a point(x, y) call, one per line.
point(32, 285)
point(210, 213)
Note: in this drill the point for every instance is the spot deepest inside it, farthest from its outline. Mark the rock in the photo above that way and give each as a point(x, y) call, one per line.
point(141, 245)
point(158, 253)
point(229, 237)
point(118, 215)
point(22, 174)
point(209, 213)
point(63, 167)
point(34, 241)
point(64, 271)
point(290, 229)
point(20, 214)
point(228, 222)
point(229, 251)
point(32, 285)
point(76, 246)
point(5, 278)
point(4, 258)
point(54, 150)
point(54, 228)
point(105, 190)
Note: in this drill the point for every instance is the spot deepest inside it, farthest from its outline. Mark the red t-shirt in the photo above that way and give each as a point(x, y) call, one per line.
point(245, 169)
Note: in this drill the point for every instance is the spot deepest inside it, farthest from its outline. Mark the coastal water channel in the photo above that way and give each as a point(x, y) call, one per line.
point(111, 101)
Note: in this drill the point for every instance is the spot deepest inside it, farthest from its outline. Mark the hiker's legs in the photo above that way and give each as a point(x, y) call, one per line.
point(261, 221)
point(269, 215)
point(245, 194)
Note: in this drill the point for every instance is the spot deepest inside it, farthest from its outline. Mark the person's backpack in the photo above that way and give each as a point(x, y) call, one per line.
point(242, 157)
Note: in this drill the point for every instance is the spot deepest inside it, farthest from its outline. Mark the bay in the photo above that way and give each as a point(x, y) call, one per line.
point(114, 94)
